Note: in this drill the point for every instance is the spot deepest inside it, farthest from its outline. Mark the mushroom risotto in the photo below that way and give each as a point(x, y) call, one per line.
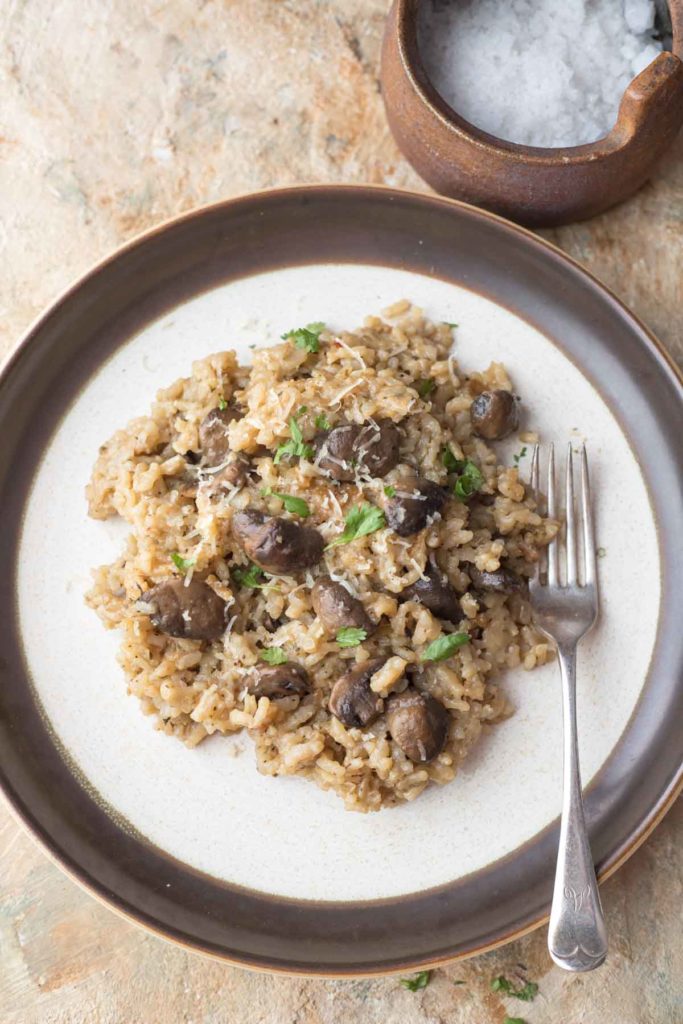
point(325, 552)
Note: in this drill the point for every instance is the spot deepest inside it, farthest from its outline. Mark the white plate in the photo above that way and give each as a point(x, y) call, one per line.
point(209, 807)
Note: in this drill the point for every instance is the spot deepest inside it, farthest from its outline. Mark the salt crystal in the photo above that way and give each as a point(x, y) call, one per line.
point(539, 72)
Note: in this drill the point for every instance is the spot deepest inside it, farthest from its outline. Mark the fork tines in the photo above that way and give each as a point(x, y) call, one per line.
point(579, 570)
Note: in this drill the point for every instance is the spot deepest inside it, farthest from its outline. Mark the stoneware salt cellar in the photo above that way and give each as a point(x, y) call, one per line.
point(532, 185)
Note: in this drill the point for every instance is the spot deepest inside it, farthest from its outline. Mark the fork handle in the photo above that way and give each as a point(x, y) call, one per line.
point(577, 937)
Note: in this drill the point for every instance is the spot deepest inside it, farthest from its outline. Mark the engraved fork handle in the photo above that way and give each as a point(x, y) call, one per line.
point(577, 937)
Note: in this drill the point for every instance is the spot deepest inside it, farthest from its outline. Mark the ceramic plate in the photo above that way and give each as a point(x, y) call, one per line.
point(197, 845)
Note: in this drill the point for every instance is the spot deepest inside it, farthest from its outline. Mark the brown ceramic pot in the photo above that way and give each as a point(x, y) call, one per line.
point(529, 184)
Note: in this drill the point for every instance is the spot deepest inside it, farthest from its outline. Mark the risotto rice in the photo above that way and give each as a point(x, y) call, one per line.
point(326, 553)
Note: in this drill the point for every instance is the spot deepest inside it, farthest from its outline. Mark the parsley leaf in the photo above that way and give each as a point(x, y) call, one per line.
point(222, 404)
point(389, 491)
point(449, 324)
point(519, 455)
point(182, 563)
point(443, 647)
point(449, 460)
point(301, 410)
point(528, 991)
point(273, 655)
point(360, 520)
point(420, 980)
point(249, 577)
point(307, 338)
point(351, 636)
point(468, 483)
point(514, 1020)
point(296, 447)
point(322, 422)
point(425, 387)
point(601, 552)
point(292, 504)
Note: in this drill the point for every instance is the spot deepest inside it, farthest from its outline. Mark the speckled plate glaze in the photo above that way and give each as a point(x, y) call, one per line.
point(195, 844)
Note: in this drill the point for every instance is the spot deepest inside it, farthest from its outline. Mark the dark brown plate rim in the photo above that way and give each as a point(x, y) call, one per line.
point(300, 943)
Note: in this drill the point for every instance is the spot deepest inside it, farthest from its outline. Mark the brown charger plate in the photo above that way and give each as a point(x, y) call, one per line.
point(429, 236)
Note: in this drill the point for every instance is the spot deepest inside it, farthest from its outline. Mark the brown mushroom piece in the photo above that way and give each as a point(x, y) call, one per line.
point(290, 680)
point(213, 434)
point(503, 581)
point(436, 593)
point(371, 448)
point(377, 447)
point(279, 546)
point(410, 507)
point(494, 414)
point(335, 452)
point(352, 701)
point(336, 608)
point(234, 474)
point(190, 612)
point(418, 724)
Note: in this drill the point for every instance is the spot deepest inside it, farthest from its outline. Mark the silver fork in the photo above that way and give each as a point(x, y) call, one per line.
point(565, 608)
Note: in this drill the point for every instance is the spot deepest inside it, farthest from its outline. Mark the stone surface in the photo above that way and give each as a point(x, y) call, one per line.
point(114, 117)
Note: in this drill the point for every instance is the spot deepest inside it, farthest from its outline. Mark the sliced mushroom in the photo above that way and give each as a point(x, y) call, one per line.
point(192, 612)
point(418, 724)
point(335, 452)
point(415, 500)
point(352, 701)
point(234, 474)
point(279, 681)
point(336, 608)
point(435, 593)
point(502, 580)
point(378, 446)
point(372, 448)
point(494, 414)
point(279, 546)
point(213, 434)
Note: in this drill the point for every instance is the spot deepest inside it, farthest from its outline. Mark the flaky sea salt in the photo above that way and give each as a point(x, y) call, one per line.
point(540, 72)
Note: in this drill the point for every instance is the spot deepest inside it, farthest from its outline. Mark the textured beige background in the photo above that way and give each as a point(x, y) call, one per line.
point(116, 114)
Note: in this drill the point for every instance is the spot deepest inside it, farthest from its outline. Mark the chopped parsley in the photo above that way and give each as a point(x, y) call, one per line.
point(526, 993)
point(425, 387)
point(351, 636)
point(249, 577)
point(601, 552)
point(222, 404)
point(301, 410)
point(468, 483)
point(514, 1020)
point(322, 422)
point(292, 504)
point(296, 447)
point(182, 563)
point(519, 455)
point(273, 655)
point(449, 460)
point(470, 477)
point(306, 338)
point(389, 491)
point(420, 980)
point(444, 646)
point(458, 982)
point(360, 520)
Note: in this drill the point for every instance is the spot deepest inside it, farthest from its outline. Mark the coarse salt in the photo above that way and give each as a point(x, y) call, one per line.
point(538, 72)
